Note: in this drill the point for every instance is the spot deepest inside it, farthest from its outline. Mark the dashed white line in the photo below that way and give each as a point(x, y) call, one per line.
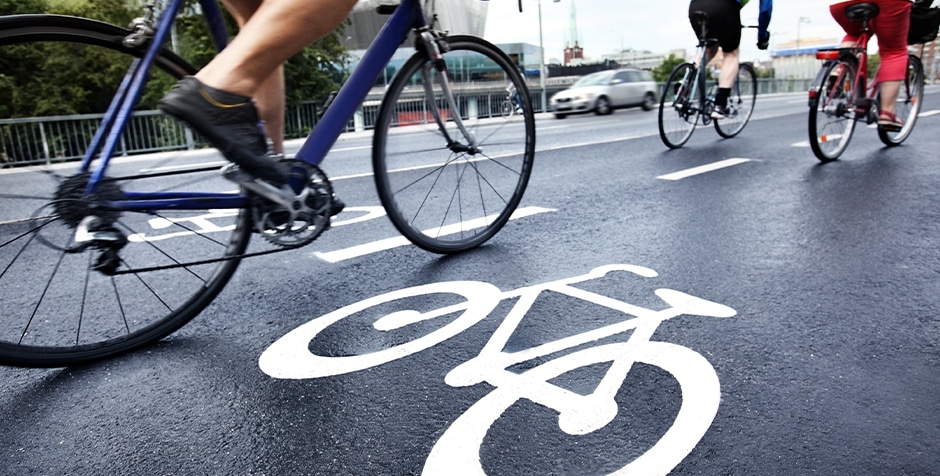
point(389, 243)
point(703, 169)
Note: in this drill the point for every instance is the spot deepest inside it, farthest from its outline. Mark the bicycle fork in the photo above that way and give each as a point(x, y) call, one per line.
point(432, 41)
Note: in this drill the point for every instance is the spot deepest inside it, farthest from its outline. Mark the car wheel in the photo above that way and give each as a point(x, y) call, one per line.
point(560, 116)
point(649, 101)
point(602, 107)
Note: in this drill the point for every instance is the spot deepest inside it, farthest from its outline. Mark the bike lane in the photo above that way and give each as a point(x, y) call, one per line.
point(829, 348)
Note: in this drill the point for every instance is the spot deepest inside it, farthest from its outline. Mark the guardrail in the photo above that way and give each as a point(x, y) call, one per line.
point(45, 140)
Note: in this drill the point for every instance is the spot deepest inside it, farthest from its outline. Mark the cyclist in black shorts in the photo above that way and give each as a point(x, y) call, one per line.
point(724, 24)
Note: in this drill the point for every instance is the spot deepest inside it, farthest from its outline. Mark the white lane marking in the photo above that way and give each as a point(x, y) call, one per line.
point(929, 113)
point(703, 169)
point(805, 143)
point(390, 243)
point(180, 168)
point(347, 149)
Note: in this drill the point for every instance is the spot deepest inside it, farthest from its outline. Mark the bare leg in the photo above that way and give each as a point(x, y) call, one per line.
point(269, 97)
point(889, 95)
point(729, 69)
point(276, 31)
point(218, 102)
point(710, 53)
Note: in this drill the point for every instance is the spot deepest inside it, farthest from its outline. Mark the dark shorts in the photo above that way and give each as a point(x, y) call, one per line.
point(724, 22)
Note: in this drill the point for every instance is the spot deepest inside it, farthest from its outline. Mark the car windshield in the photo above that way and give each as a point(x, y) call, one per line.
point(593, 79)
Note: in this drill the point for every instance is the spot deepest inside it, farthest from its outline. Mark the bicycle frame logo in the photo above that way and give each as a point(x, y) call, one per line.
point(290, 358)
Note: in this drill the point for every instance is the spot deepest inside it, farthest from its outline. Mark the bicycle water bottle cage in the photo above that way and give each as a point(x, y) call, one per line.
point(862, 13)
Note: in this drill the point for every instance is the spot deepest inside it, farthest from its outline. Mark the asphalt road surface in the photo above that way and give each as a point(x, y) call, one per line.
point(771, 315)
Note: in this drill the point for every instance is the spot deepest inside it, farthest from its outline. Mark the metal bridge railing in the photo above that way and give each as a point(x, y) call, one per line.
point(44, 140)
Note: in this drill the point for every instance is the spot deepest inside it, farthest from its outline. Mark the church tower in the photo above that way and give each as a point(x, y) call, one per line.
point(574, 54)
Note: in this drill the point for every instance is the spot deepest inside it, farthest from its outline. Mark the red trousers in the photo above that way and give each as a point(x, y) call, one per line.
point(890, 26)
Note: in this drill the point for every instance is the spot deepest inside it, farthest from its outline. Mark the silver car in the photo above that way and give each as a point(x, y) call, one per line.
point(604, 91)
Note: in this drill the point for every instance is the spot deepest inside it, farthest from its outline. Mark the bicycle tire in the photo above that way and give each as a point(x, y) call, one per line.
point(441, 196)
point(832, 115)
point(508, 108)
point(58, 310)
point(740, 102)
point(908, 103)
point(678, 114)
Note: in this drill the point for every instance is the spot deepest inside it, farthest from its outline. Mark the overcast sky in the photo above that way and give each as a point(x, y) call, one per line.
point(604, 26)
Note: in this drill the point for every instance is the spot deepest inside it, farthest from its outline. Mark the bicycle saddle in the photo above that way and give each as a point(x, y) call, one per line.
point(861, 12)
point(700, 19)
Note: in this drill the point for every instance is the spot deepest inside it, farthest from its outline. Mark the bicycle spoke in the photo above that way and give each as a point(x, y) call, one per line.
point(435, 208)
point(42, 296)
point(162, 252)
point(81, 309)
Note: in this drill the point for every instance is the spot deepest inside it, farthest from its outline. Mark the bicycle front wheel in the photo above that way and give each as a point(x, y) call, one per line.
point(908, 103)
point(832, 107)
point(740, 102)
point(677, 111)
point(451, 175)
point(81, 279)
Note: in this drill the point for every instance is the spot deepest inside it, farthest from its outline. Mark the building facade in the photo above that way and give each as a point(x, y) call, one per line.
point(465, 17)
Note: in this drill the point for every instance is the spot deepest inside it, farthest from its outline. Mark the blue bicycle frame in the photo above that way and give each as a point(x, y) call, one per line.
point(407, 16)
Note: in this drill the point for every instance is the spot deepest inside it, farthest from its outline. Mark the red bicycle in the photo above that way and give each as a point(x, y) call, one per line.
point(839, 96)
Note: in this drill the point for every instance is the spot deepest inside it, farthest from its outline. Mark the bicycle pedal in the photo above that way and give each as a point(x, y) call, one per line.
point(281, 195)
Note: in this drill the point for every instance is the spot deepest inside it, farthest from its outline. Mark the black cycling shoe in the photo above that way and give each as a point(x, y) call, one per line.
point(229, 122)
point(338, 206)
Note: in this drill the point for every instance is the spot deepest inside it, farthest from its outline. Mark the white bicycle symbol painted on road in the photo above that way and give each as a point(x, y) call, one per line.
point(290, 357)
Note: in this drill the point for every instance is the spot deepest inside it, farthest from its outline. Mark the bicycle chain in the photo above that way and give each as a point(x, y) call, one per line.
point(202, 262)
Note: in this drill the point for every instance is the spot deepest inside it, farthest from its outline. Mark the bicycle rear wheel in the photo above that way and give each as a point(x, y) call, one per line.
point(832, 106)
point(440, 191)
point(740, 102)
point(64, 303)
point(677, 111)
point(908, 103)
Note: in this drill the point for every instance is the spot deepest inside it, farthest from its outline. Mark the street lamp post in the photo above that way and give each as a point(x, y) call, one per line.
point(542, 60)
point(542, 68)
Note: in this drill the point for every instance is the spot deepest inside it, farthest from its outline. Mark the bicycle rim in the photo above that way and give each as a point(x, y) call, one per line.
point(677, 111)
point(740, 102)
point(442, 195)
point(831, 110)
point(64, 304)
point(908, 103)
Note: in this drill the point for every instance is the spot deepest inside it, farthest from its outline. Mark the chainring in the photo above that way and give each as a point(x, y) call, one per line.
point(307, 217)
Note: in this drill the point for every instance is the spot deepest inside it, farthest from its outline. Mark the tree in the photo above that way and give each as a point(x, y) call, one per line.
point(46, 78)
point(310, 74)
point(661, 73)
point(56, 78)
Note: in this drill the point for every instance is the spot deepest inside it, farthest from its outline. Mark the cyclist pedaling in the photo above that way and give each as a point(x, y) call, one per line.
point(219, 102)
point(890, 27)
point(724, 24)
